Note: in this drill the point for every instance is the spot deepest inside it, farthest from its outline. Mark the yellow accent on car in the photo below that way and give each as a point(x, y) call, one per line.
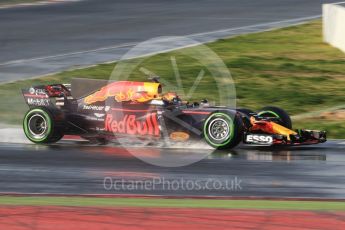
point(278, 129)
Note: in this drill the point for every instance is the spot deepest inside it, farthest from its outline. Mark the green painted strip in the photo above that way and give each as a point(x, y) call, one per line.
point(173, 203)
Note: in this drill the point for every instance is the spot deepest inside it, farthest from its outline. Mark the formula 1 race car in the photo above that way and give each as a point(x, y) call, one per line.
point(107, 111)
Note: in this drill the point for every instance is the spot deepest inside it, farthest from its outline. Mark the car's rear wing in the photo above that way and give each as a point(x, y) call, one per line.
point(46, 95)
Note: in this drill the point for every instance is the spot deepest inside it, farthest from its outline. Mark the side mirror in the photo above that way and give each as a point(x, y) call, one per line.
point(195, 104)
point(204, 101)
point(154, 79)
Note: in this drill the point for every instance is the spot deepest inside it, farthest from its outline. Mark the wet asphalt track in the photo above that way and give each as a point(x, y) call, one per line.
point(39, 40)
point(310, 171)
point(26, 33)
point(37, 31)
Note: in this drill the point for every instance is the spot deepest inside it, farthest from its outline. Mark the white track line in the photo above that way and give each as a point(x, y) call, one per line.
point(67, 54)
point(40, 3)
point(336, 3)
point(290, 21)
point(259, 25)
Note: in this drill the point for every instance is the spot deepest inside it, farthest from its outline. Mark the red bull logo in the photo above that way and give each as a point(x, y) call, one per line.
point(129, 124)
point(126, 91)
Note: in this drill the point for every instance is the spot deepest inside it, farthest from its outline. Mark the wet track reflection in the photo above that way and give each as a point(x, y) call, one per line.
point(69, 168)
point(315, 153)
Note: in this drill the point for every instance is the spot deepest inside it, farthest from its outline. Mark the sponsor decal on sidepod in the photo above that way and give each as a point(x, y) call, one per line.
point(130, 125)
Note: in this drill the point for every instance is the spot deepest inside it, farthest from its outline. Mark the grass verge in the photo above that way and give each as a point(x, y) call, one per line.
point(291, 68)
point(172, 203)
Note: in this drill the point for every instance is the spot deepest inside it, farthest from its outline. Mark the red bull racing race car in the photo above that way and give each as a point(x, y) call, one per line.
point(105, 111)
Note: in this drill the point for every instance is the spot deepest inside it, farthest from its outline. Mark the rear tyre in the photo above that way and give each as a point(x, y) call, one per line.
point(275, 112)
point(223, 129)
point(40, 127)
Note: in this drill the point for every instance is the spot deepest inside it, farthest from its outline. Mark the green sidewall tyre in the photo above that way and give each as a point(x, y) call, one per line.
point(47, 117)
point(272, 111)
point(269, 112)
point(231, 126)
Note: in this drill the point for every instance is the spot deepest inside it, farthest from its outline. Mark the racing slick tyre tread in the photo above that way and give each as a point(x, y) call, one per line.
point(47, 132)
point(229, 137)
point(271, 111)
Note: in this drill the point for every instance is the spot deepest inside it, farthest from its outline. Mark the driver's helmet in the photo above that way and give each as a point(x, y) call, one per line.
point(169, 97)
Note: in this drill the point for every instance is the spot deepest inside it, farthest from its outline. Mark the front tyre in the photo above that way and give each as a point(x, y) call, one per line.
point(275, 112)
point(40, 127)
point(223, 130)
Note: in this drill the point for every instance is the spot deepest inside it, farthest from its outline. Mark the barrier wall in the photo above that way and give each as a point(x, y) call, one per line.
point(334, 24)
